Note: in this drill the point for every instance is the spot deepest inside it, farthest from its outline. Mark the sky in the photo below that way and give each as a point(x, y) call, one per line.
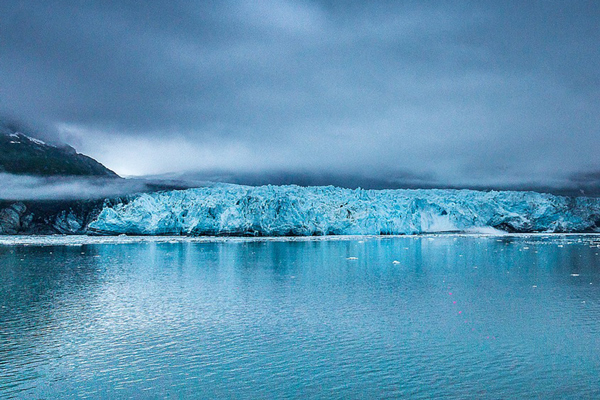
point(447, 92)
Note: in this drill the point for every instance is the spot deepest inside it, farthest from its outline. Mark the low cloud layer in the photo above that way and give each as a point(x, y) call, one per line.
point(24, 187)
point(469, 93)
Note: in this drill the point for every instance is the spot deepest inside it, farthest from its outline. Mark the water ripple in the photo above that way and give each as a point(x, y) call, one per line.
point(298, 319)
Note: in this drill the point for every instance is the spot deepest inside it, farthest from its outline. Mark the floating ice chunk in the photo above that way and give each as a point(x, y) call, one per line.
point(486, 230)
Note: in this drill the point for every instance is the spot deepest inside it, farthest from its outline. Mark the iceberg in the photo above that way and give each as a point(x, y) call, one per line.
point(326, 210)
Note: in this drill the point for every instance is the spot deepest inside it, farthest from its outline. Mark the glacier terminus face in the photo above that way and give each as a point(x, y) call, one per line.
point(304, 211)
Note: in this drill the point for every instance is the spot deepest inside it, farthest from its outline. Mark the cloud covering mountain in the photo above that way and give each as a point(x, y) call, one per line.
point(460, 93)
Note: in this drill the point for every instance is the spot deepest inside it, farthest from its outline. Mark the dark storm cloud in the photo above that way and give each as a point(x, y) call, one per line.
point(468, 94)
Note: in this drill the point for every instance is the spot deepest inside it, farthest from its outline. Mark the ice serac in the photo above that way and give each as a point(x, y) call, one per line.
point(303, 211)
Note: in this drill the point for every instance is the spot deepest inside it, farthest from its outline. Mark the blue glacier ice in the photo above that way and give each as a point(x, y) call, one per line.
point(293, 210)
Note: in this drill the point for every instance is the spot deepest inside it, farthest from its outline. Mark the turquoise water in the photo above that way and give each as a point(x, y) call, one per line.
point(414, 317)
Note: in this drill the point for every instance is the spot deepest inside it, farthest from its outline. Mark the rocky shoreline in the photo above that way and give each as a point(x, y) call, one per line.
point(48, 217)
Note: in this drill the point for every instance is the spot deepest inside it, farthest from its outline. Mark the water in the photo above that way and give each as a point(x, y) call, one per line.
point(416, 317)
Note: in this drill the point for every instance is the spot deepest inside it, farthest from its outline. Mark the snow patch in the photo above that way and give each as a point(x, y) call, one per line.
point(37, 141)
point(19, 135)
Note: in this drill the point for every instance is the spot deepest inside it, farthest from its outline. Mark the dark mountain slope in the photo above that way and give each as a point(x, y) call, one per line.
point(25, 155)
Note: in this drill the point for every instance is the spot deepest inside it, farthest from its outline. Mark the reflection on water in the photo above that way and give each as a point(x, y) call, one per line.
point(419, 317)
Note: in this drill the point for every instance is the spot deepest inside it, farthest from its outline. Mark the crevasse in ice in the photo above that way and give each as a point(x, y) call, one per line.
point(303, 211)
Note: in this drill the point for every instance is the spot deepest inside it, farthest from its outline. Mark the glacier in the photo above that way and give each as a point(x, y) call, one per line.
point(237, 210)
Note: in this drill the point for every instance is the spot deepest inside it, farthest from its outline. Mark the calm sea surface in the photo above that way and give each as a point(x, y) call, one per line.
point(414, 317)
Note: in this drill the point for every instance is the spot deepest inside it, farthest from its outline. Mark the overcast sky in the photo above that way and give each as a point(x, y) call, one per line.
point(455, 92)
